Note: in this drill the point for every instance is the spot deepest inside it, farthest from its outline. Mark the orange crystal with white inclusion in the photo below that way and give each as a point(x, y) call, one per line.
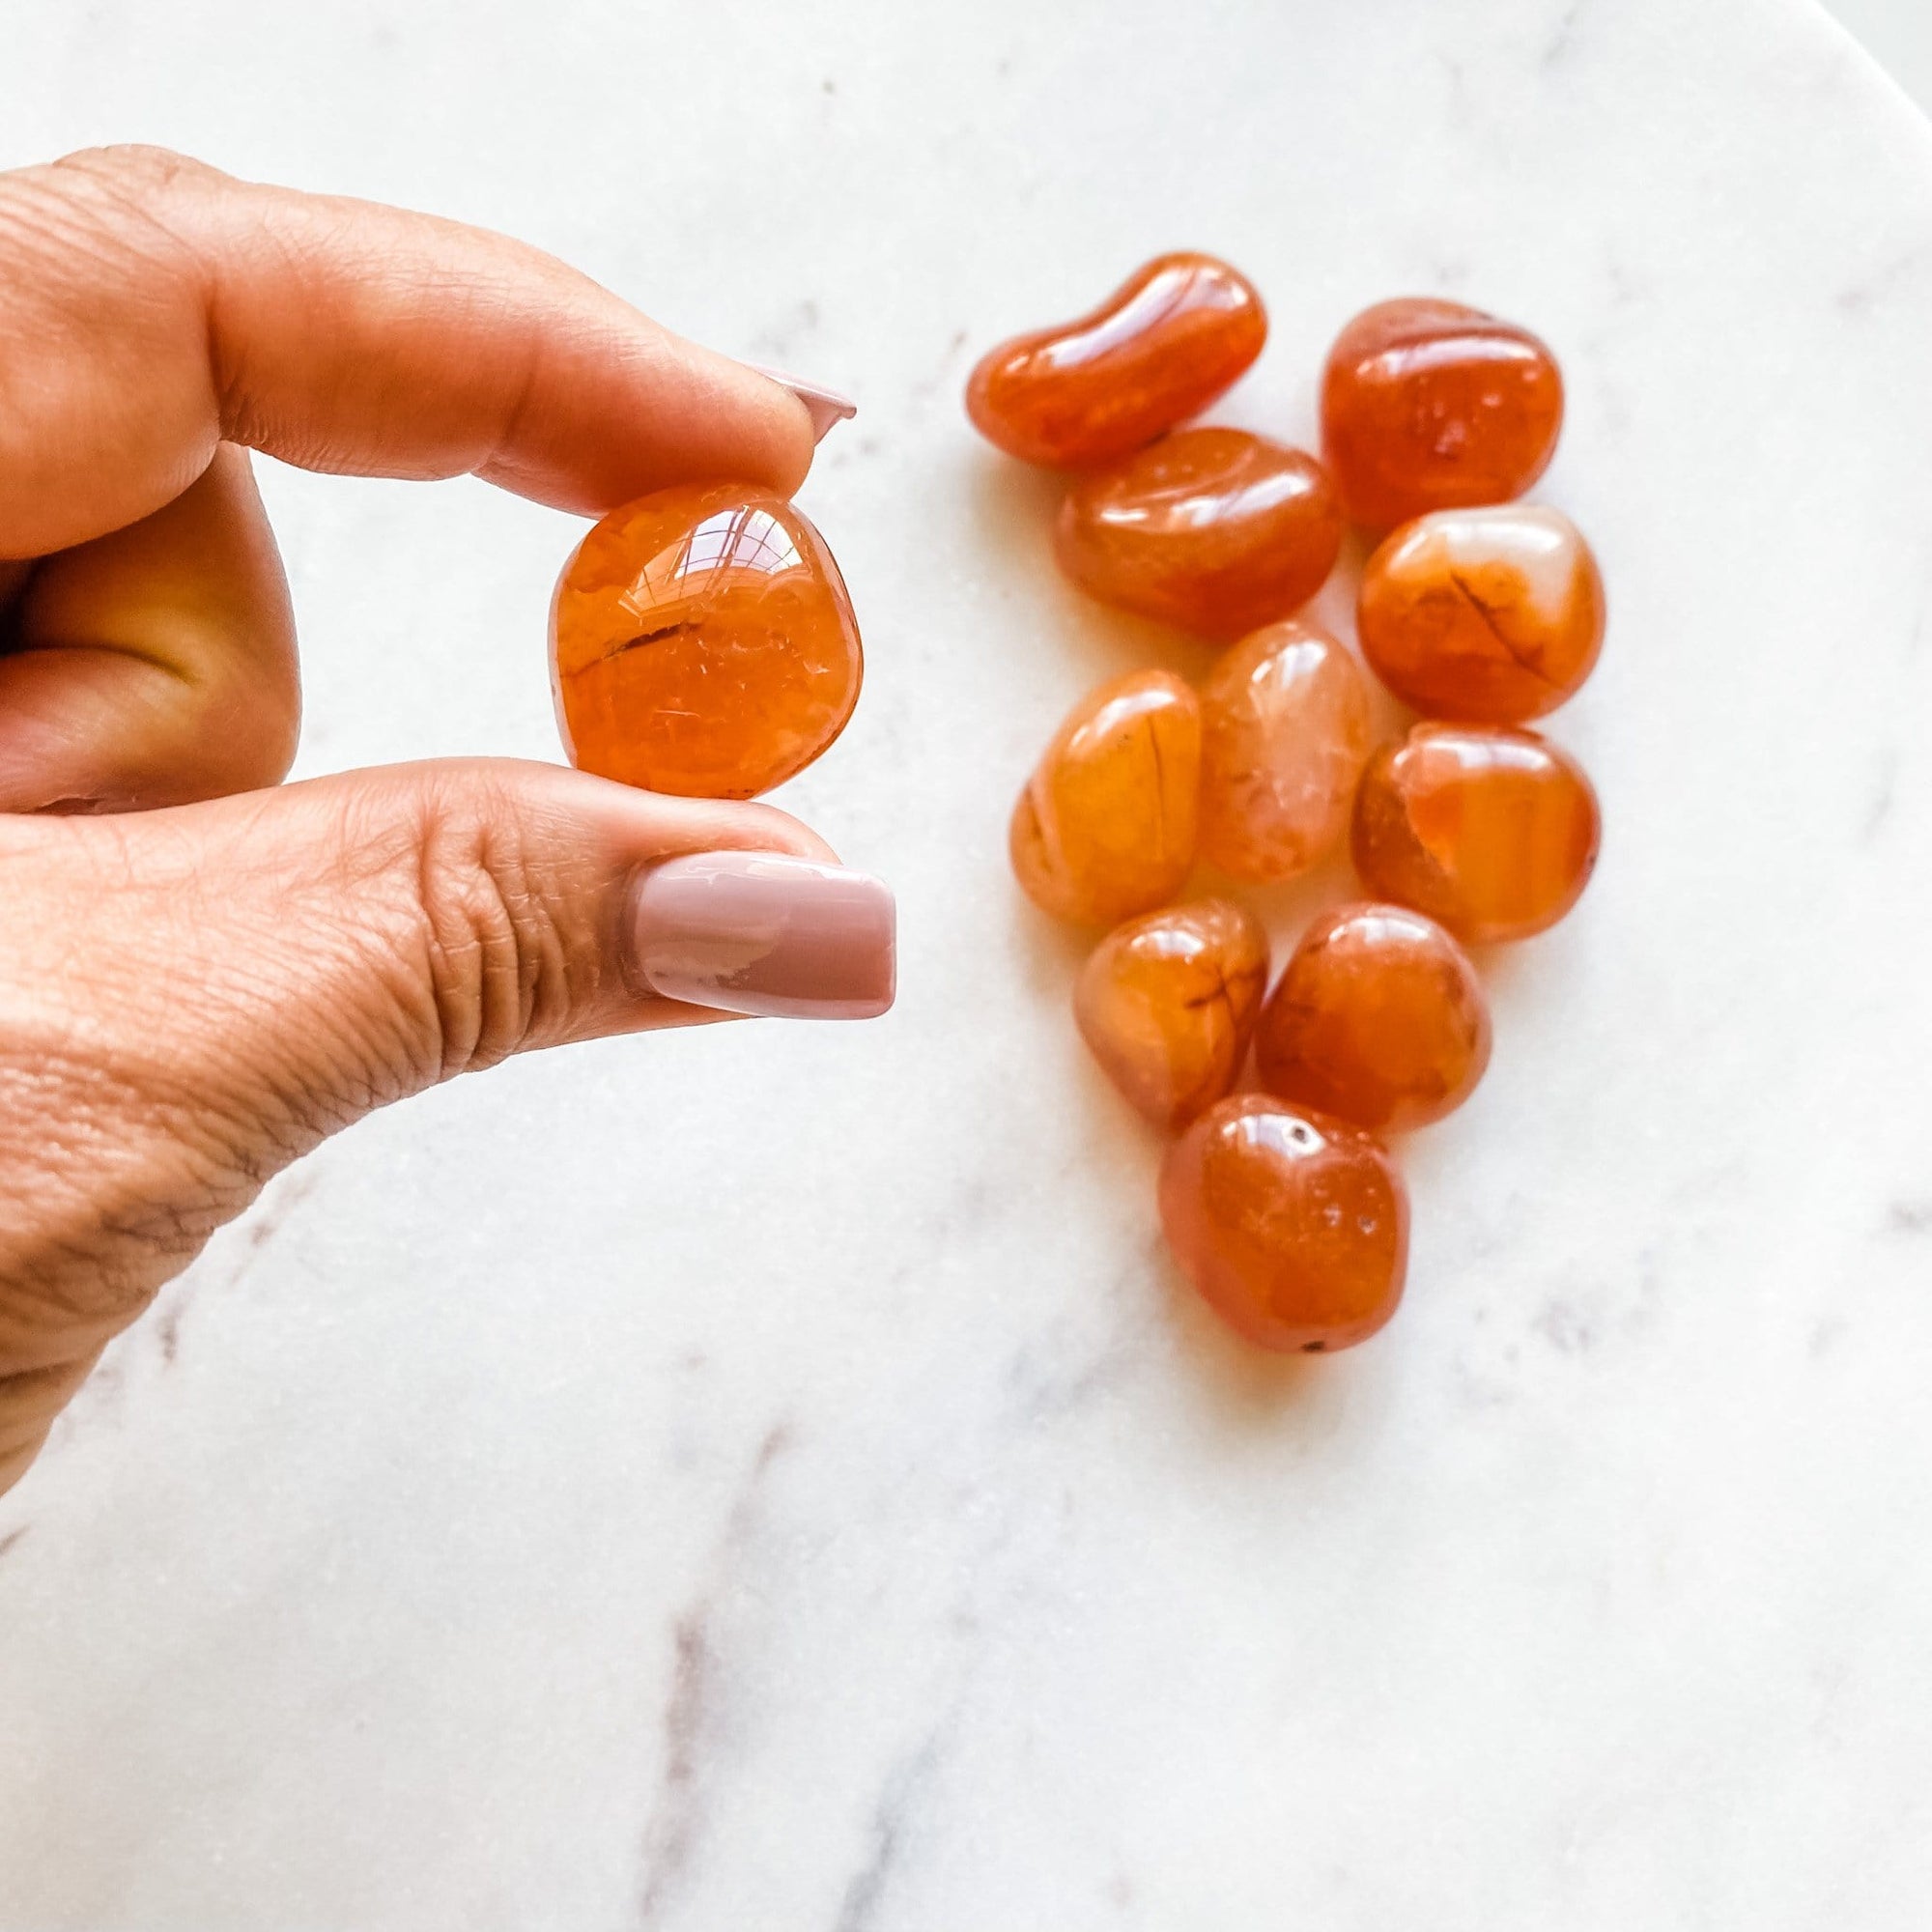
point(1493, 615)
point(1167, 1003)
point(1491, 832)
point(1106, 825)
point(1285, 731)
point(1379, 1018)
point(703, 643)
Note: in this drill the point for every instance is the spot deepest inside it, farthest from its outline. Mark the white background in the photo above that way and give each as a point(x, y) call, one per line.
point(771, 1477)
point(1899, 34)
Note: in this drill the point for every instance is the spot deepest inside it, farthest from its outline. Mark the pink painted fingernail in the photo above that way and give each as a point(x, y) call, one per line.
point(827, 406)
point(757, 932)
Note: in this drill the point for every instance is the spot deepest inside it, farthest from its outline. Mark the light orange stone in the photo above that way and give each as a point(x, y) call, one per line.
point(1212, 530)
point(1491, 832)
point(1167, 1003)
point(1426, 404)
point(1293, 1225)
point(1379, 1018)
point(1164, 345)
point(1285, 732)
point(1492, 615)
point(1105, 827)
point(703, 643)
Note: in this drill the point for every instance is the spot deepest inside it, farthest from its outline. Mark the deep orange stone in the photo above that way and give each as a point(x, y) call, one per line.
point(1165, 344)
point(1294, 1227)
point(703, 643)
point(1105, 827)
point(1428, 404)
point(1493, 833)
point(1285, 731)
point(1489, 615)
point(1212, 530)
point(1167, 1003)
point(1379, 1018)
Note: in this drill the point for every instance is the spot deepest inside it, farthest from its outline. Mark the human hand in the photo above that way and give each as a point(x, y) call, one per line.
point(206, 975)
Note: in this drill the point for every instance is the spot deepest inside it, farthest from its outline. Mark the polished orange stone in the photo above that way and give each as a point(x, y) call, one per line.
point(703, 643)
point(1167, 1003)
point(1379, 1018)
point(1428, 404)
point(1165, 344)
point(1492, 615)
point(1293, 1225)
point(1105, 827)
point(1285, 731)
point(1492, 832)
point(1212, 530)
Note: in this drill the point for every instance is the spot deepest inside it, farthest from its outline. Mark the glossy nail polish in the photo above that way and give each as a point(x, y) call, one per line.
point(826, 406)
point(761, 933)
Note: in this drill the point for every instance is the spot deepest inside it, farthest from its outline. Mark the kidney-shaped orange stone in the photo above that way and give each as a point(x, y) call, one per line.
point(1294, 1227)
point(1493, 833)
point(1105, 827)
point(1493, 615)
point(1167, 1003)
point(1212, 530)
point(1165, 344)
point(1428, 404)
point(1379, 1018)
point(703, 643)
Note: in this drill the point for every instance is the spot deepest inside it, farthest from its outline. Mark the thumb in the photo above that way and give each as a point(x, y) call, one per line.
point(193, 997)
point(423, 920)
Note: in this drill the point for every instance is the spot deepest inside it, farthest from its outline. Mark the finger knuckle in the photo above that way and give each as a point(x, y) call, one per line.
point(501, 972)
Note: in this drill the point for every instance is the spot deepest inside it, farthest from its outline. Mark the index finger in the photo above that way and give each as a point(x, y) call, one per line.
point(152, 307)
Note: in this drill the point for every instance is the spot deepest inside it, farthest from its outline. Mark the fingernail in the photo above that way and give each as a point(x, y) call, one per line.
point(827, 406)
point(757, 932)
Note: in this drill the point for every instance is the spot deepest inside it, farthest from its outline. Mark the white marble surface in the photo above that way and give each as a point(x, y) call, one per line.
point(1898, 33)
point(769, 1477)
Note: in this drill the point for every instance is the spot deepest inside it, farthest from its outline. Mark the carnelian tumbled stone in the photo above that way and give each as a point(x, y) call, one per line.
point(1105, 827)
point(1491, 832)
point(1379, 1018)
point(1165, 344)
point(1212, 530)
point(1490, 615)
point(1294, 1227)
point(1167, 1003)
point(1285, 731)
point(1429, 405)
point(703, 643)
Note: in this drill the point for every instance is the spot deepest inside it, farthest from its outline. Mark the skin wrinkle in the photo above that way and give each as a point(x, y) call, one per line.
point(129, 1207)
point(98, 1126)
point(473, 968)
point(516, 415)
